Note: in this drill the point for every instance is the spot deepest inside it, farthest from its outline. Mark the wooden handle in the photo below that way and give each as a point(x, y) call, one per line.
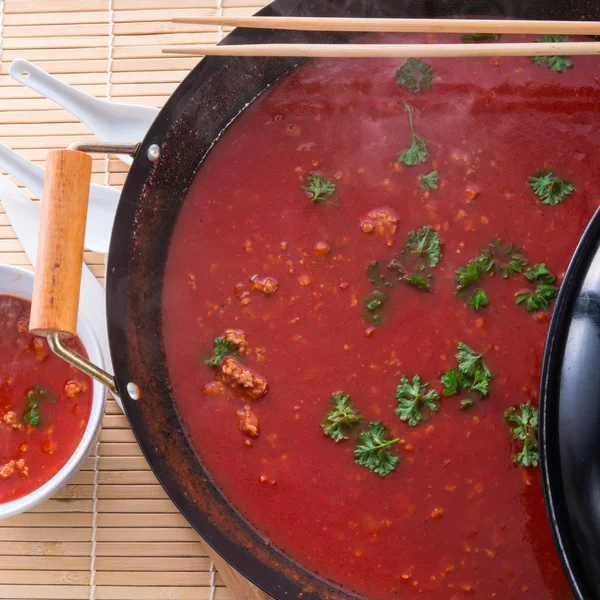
point(60, 246)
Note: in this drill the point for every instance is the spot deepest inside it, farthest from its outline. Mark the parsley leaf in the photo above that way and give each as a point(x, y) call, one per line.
point(418, 281)
point(375, 300)
point(550, 190)
point(453, 381)
point(221, 349)
point(416, 75)
point(479, 299)
point(540, 299)
point(481, 380)
point(496, 258)
point(556, 63)
point(410, 398)
point(417, 151)
point(544, 293)
point(31, 416)
point(468, 38)
point(466, 404)
point(533, 273)
point(429, 181)
point(523, 424)
point(371, 450)
point(472, 373)
point(469, 273)
point(425, 242)
point(319, 187)
point(467, 359)
point(341, 416)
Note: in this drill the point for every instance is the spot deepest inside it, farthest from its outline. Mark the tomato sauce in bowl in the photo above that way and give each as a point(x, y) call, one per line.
point(291, 275)
point(45, 404)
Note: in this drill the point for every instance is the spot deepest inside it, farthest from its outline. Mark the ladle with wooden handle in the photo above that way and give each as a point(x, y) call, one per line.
point(57, 282)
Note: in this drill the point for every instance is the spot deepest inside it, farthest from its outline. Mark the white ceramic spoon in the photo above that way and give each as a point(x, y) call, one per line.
point(110, 121)
point(102, 206)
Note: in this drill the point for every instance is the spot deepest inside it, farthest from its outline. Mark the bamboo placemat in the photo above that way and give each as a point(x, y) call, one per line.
point(111, 534)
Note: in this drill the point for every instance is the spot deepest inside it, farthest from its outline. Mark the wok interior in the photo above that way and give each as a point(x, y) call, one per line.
point(207, 100)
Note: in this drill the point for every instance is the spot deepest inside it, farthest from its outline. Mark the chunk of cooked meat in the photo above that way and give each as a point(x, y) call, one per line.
point(266, 285)
point(7, 470)
point(248, 421)
point(322, 249)
point(213, 388)
point(73, 388)
point(381, 221)
point(236, 374)
point(38, 345)
point(10, 417)
point(237, 337)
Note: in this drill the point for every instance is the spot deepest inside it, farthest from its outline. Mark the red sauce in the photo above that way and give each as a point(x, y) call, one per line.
point(44, 404)
point(456, 517)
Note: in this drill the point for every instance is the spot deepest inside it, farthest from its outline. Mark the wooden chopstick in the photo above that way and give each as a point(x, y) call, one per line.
point(389, 50)
point(405, 25)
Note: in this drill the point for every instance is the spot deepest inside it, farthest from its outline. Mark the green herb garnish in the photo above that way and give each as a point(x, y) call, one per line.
point(498, 257)
point(550, 190)
point(469, 38)
point(429, 181)
point(319, 187)
point(467, 359)
point(469, 273)
point(472, 373)
point(536, 272)
point(372, 450)
point(479, 299)
point(417, 281)
point(466, 405)
point(453, 381)
point(37, 393)
point(375, 301)
point(556, 63)
point(221, 348)
point(523, 423)
point(341, 416)
point(545, 292)
point(411, 397)
point(31, 416)
point(425, 243)
point(416, 75)
point(539, 299)
point(417, 151)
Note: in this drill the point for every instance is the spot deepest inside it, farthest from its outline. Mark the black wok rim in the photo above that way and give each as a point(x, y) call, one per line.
point(259, 569)
point(550, 460)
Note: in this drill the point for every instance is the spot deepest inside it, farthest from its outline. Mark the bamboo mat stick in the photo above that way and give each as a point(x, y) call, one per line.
point(390, 50)
point(404, 25)
point(238, 585)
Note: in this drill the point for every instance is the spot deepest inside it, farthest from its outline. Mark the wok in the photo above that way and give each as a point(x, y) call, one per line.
point(209, 98)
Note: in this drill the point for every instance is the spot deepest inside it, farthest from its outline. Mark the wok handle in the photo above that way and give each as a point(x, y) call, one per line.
point(60, 247)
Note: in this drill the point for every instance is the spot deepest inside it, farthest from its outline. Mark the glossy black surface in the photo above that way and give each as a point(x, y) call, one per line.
point(201, 107)
point(570, 418)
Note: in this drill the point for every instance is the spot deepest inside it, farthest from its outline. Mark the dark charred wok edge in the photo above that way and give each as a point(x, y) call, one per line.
point(210, 97)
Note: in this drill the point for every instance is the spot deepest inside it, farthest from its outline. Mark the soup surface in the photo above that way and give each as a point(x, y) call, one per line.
point(44, 404)
point(286, 276)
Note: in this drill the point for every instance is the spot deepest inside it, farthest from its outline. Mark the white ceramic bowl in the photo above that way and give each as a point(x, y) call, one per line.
point(18, 282)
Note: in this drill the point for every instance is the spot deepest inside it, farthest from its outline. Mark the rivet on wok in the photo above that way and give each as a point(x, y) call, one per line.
point(153, 152)
point(134, 391)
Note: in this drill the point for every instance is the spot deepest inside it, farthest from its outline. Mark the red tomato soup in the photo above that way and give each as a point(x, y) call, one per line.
point(335, 253)
point(44, 404)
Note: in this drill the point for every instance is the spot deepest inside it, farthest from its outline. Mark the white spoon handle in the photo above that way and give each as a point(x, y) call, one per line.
point(103, 200)
point(84, 106)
